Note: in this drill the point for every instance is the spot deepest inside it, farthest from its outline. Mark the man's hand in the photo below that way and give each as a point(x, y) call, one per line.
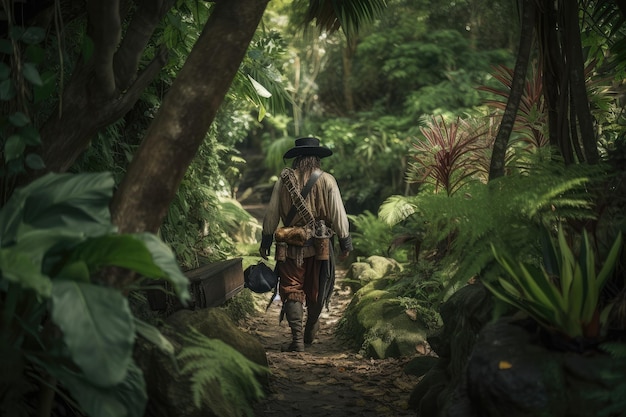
point(344, 255)
point(265, 253)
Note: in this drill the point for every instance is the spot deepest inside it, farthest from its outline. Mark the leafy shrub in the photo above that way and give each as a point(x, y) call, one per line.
point(58, 320)
point(508, 212)
point(373, 237)
point(562, 293)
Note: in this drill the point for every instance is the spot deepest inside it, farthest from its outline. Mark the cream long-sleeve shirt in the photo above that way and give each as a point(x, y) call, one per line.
point(324, 200)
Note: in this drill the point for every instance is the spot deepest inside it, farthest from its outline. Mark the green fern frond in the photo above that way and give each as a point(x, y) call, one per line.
point(396, 209)
point(209, 361)
point(616, 350)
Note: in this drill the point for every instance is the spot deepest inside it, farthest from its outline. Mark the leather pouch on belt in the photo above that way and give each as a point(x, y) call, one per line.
point(295, 235)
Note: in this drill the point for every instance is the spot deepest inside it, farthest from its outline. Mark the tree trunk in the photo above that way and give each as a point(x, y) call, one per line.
point(104, 89)
point(173, 138)
point(496, 168)
point(347, 55)
point(578, 89)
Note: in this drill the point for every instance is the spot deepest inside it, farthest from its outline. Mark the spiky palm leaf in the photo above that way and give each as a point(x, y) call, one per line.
point(446, 158)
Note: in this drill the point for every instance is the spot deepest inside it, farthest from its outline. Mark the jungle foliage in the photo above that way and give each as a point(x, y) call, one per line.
point(409, 105)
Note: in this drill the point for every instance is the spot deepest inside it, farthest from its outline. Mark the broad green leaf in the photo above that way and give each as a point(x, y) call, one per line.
point(126, 399)
point(86, 196)
point(79, 202)
point(19, 119)
point(154, 336)
point(33, 35)
point(16, 266)
point(7, 90)
point(98, 329)
point(126, 251)
point(34, 161)
point(38, 244)
point(5, 71)
point(31, 74)
point(14, 148)
point(74, 271)
point(163, 256)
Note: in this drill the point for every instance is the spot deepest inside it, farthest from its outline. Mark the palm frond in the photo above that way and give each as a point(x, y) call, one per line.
point(331, 15)
point(275, 151)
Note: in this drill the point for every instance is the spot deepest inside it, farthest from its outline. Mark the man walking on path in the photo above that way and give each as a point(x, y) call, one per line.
point(308, 203)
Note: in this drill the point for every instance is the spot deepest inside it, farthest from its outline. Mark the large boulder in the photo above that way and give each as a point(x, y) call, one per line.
point(169, 392)
point(512, 372)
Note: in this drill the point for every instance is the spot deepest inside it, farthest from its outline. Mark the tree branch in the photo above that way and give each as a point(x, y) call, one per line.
point(145, 19)
point(142, 81)
point(105, 29)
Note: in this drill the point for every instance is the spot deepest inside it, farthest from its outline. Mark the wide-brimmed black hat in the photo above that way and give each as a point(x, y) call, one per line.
point(308, 146)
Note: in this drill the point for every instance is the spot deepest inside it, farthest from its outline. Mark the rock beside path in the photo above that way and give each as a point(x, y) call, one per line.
point(328, 379)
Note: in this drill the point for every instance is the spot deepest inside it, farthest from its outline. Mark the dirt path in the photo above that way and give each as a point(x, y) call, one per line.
point(328, 379)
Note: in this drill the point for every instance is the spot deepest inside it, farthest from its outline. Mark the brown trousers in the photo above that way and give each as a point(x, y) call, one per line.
point(299, 283)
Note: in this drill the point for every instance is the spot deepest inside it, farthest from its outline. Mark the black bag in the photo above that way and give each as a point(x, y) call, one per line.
point(260, 278)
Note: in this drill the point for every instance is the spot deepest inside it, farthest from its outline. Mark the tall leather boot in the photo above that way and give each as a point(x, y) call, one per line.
point(312, 323)
point(294, 313)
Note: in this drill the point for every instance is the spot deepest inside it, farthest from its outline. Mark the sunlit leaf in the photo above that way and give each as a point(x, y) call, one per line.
point(19, 119)
point(7, 90)
point(260, 90)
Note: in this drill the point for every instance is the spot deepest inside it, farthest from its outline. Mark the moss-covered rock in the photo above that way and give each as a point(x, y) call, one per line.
point(383, 266)
point(356, 269)
point(376, 321)
point(373, 268)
